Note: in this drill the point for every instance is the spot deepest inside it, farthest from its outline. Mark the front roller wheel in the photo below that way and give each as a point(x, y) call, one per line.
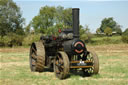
point(61, 65)
point(95, 64)
point(37, 57)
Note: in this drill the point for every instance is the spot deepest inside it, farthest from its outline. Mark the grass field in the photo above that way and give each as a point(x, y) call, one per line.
point(14, 68)
point(105, 40)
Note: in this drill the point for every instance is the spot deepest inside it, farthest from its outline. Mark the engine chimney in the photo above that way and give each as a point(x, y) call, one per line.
point(75, 18)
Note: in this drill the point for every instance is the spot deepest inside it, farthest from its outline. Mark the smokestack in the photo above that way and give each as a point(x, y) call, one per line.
point(75, 18)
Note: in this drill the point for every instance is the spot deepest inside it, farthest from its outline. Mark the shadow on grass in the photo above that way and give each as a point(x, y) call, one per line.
point(48, 70)
point(78, 73)
point(73, 72)
point(83, 74)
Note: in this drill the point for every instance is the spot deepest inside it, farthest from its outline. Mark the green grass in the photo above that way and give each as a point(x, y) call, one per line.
point(106, 40)
point(14, 70)
point(13, 57)
point(111, 37)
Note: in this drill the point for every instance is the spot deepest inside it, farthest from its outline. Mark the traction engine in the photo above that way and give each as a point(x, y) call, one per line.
point(63, 53)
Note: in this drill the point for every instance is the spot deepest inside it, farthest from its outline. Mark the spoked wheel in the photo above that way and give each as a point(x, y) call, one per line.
point(37, 57)
point(95, 64)
point(61, 65)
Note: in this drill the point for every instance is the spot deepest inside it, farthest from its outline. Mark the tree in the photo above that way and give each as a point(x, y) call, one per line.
point(67, 17)
point(44, 20)
point(118, 29)
point(108, 31)
point(49, 17)
point(125, 36)
point(87, 30)
point(10, 18)
point(125, 32)
point(59, 14)
point(28, 28)
point(98, 31)
point(108, 22)
point(85, 34)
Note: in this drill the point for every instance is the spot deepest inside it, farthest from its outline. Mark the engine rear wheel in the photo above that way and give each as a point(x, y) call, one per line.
point(95, 69)
point(61, 65)
point(37, 57)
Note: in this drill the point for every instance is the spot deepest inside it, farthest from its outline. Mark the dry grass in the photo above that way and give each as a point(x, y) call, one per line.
point(14, 68)
point(110, 50)
point(14, 50)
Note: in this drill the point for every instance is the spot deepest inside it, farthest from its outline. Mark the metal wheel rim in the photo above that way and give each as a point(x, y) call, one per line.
point(90, 58)
point(58, 60)
point(32, 60)
point(62, 60)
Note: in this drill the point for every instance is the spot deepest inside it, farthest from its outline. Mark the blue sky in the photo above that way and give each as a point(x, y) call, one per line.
point(92, 12)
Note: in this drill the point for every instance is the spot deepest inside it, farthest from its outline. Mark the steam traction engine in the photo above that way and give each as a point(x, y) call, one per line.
point(63, 53)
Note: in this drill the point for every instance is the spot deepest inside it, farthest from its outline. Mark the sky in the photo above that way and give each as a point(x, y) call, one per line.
point(92, 12)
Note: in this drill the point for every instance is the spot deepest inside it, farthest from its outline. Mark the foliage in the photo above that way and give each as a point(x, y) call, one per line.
point(85, 34)
point(89, 34)
point(125, 32)
point(118, 30)
point(107, 40)
point(108, 22)
point(100, 40)
point(67, 17)
point(49, 17)
point(54, 29)
point(59, 14)
point(28, 29)
point(10, 18)
point(125, 36)
point(4, 41)
point(108, 31)
point(30, 38)
point(16, 40)
point(98, 31)
point(44, 19)
point(84, 37)
point(12, 39)
point(82, 31)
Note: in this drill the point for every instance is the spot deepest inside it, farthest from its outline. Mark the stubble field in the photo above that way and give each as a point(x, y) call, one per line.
point(14, 68)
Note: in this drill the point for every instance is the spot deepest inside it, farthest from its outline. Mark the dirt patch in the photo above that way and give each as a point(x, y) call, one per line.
point(6, 50)
point(111, 47)
point(13, 64)
point(105, 79)
point(110, 50)
point(99, 48)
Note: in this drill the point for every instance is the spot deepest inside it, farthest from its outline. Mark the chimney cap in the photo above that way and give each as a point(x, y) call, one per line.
point(75, 8)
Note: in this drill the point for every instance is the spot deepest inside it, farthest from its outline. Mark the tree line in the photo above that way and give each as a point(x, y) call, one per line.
point(108, 25)
point(47, 22)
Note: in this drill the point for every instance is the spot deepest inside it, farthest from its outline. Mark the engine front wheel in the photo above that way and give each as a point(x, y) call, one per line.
point(95, 64)
point(61, 65)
